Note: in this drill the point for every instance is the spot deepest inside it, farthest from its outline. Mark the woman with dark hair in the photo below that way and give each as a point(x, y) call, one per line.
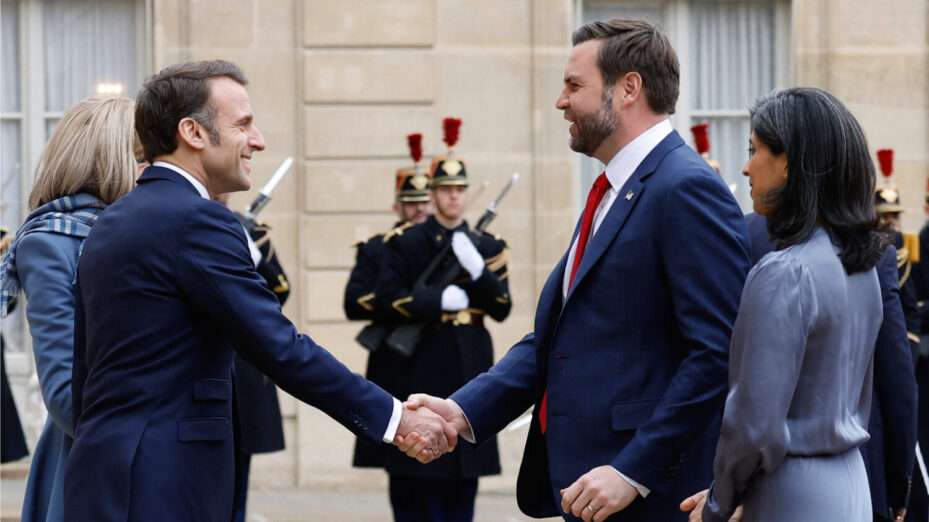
point(802, 344)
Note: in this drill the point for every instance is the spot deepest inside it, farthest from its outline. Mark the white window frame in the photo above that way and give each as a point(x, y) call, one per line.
point(33, 119)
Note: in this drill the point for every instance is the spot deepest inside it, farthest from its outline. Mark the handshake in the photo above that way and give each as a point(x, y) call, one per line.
point(429, 427)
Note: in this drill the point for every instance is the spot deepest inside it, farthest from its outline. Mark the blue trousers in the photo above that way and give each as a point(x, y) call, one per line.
point(432, 500)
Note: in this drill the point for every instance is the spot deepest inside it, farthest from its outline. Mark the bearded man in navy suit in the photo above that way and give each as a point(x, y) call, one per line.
point(627, 363)
point(168, 293)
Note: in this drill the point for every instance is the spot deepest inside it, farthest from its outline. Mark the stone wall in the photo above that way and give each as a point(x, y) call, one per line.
point(339, 85)
point(874, 56)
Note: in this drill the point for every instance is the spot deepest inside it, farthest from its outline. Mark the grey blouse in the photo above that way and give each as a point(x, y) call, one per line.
point(800, 366)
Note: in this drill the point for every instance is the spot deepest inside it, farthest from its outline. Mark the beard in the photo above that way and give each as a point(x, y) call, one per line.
point(593, 128)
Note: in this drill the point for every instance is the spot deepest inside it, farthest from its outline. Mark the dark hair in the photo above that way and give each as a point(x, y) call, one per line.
point(830, 175)
point(177, 92)
point(635, 45)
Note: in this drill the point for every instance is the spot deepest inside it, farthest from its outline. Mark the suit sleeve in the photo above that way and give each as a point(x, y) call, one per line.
point(895, 388)
point(46, 264)
point(780, 308)
point(911, 312)
point(704, 256)
point(491, 292)
point(493, 399)
point(216, 273)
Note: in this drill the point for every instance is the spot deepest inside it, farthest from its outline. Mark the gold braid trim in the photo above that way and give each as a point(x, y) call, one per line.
point(363, 301)
point(498, 261)
point(398, 305)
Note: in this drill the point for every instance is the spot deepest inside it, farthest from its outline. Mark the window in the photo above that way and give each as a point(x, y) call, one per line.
point(731, 52)
point(74, 49)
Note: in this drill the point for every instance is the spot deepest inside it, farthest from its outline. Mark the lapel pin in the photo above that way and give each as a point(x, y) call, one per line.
point(629, 195)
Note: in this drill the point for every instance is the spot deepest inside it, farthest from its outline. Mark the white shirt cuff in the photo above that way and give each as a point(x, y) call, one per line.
point(394, 422)
point(467, 434)
point(644, 491)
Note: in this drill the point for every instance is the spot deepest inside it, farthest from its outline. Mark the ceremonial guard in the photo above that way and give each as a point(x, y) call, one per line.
point(701, 134)
point(887, 203)
point(446, 279)
point(412, 205)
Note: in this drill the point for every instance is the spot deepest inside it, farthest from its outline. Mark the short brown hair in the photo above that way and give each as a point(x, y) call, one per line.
point(177, 92)
point(635, 45)
point(90, 151)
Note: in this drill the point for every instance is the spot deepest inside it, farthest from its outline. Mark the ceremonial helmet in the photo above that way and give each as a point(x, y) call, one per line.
point(886, 195)
point(412, 182)
point(449, 169)
point(702, 142)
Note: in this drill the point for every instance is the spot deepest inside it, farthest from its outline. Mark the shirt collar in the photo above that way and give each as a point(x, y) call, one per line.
point(193, 181)
point(624, 163)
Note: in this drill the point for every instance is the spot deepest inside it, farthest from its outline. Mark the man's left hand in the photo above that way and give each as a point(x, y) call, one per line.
point(597, 494)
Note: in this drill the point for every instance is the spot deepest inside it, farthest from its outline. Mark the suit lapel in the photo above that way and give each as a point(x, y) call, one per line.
point(622, 206)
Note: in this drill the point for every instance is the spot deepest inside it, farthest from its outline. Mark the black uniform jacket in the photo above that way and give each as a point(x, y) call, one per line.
point(453, 349)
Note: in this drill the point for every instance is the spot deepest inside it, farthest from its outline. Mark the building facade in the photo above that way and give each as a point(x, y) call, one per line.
point(338, 84)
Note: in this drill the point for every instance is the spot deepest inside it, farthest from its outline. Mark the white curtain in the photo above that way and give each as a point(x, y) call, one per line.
point(10, 146)
point(86, 43)
point(732, 53)
point(732, 63)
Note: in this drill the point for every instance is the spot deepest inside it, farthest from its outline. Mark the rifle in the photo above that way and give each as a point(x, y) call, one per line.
point(404, 338)
point(264, 196)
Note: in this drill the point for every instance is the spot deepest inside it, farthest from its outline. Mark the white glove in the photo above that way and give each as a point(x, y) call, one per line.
point(467, 254)
point(454, 299)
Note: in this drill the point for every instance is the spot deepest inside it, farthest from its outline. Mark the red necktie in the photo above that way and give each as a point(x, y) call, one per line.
point(601, 185)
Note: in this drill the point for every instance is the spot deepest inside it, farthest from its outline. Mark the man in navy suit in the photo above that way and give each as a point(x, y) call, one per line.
point(168, 293)
point(627, 363)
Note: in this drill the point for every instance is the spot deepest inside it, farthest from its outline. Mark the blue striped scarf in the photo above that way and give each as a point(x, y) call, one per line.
point(70, 216)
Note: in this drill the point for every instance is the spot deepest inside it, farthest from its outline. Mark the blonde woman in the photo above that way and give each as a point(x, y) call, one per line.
point(88, 163)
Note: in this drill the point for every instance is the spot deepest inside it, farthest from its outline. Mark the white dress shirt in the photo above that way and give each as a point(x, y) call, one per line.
point(394, 422)
point(618, 172)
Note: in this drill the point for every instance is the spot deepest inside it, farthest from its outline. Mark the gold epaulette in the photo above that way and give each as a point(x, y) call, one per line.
point(363, 241)
point(398, 231)
point(911, 245)
point(498, 261)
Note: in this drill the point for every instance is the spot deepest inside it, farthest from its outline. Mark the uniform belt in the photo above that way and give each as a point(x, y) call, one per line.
point(463, 317)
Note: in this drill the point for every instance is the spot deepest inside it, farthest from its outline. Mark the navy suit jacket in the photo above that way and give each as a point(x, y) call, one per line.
point(635, 358)
point(891, 452)
point(167, 291)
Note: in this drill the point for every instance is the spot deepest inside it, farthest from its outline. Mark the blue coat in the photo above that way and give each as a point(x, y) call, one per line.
point(891, 452)
point(635, 358)
point(46, 264)
point(167, 290)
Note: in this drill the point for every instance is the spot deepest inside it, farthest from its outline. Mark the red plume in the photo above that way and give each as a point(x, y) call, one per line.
point(701, 138)
point(886, 158)
point(415, 141)
point(451, 125)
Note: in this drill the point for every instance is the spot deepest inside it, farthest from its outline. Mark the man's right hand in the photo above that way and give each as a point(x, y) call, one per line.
point(425, 432)
point(454, 298)
point(446, 408)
